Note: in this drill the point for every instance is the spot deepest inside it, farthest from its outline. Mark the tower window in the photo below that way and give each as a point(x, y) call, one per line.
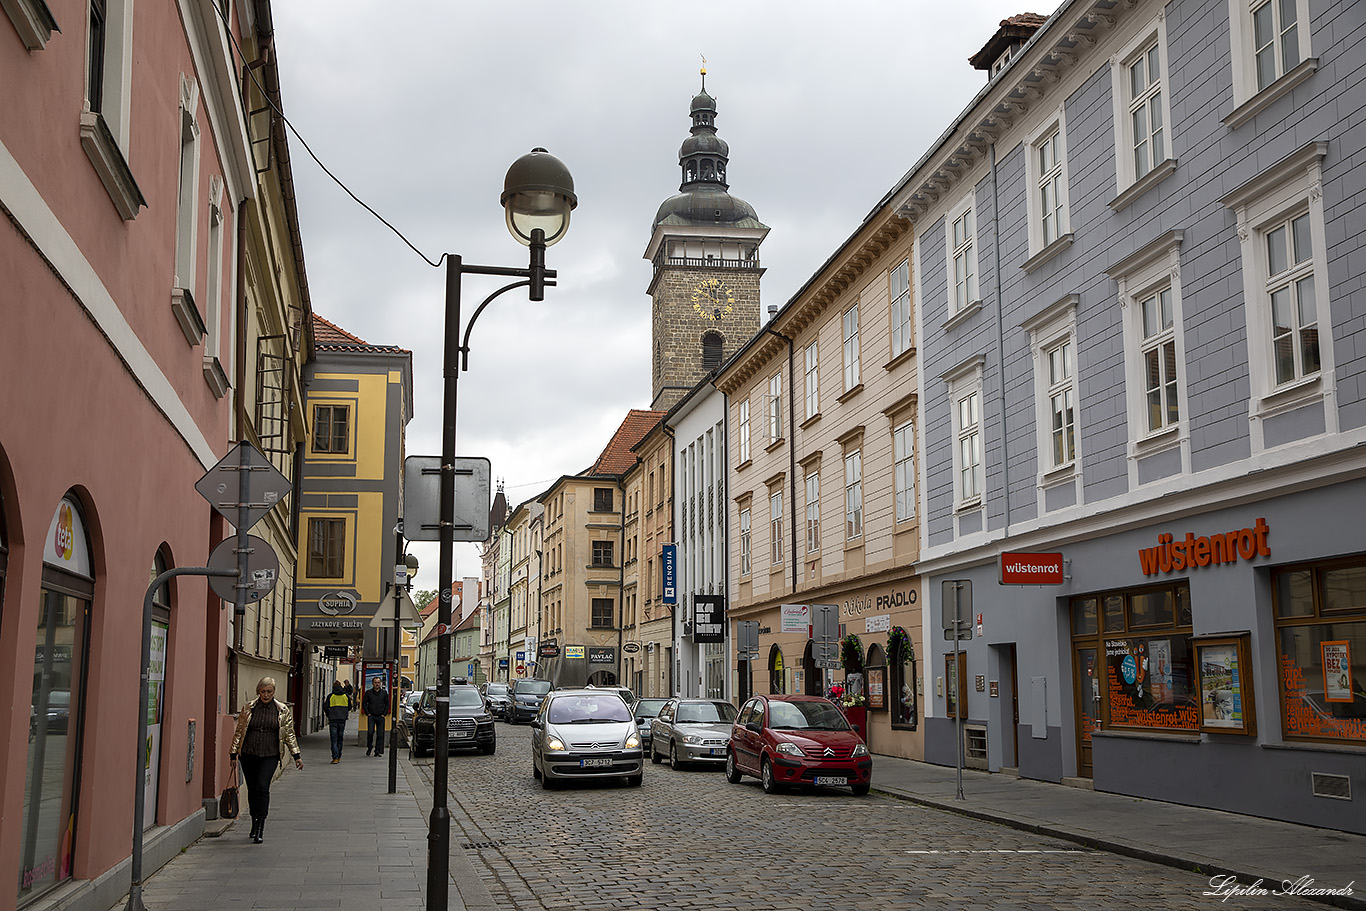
point(711, 350)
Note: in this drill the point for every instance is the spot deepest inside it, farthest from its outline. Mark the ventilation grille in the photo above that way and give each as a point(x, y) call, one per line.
point(975, 744)
point(1338, 787)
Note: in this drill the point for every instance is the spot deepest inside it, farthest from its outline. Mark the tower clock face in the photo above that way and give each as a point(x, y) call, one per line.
point(712, 299)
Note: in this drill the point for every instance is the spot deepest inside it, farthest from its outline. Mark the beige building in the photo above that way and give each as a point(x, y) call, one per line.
point(584, 579)
point(647, 622)
point(823, 507)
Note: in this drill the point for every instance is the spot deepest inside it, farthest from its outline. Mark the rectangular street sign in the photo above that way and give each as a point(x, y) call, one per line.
point(957, 593)
point(747, 636)
point(825, 621)
point(830, 663)
point(422, 498)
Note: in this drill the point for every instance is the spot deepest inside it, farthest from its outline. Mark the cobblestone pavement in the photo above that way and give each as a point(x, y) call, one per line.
point(688, 839)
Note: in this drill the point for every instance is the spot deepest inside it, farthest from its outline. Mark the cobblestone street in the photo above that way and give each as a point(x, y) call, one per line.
point(687, 839)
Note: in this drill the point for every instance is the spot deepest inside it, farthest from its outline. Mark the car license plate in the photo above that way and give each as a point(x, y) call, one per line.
point(831, 779)
point(717, 751)
point(595, 763)
point(461, 735)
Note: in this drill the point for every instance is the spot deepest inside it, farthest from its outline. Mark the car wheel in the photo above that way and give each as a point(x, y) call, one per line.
point(488, 750)
point(547, 783)
point(859, 789)
point(766, 776)
point(535, 770)
point(635, 780)
point(673, 757)
point(654, 754)
point(733, 773)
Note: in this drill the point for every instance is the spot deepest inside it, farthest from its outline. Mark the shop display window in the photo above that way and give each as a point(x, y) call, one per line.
point(1148, 674)
point(1321, 641)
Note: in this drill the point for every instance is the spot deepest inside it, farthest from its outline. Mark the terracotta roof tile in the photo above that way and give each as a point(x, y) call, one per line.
point(328, 336)
point(617, 458)
point(1017, 28)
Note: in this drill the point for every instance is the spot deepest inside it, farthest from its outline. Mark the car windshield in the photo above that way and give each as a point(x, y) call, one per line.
point(497, 689)
point(465, 696)
point(533, 687)
point(805, 716)
point(705, 713)
point(588, 708)
point(649, 708)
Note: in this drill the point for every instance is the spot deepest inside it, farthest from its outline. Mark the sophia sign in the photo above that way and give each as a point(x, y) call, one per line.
point(1031, 569)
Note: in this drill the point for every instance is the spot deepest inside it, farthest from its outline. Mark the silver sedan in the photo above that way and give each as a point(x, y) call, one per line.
point(691, 730)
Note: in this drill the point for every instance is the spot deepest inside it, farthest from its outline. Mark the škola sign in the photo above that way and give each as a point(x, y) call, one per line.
point(1171, 555)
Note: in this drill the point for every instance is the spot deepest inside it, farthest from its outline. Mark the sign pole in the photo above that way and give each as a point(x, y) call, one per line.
point(957, 677)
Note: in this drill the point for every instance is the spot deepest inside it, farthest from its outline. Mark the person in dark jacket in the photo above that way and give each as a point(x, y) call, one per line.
point(350, 695)
point(375, 705)
point(338, 710)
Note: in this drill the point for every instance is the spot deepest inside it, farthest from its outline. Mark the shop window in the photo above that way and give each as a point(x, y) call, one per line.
point(776, 681)
point(1321, 636)
point(876, 671)
point(901, 680)
point(156, 684)
point(1147, 673)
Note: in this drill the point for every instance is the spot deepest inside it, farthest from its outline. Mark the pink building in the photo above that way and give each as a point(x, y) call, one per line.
point(125, 162)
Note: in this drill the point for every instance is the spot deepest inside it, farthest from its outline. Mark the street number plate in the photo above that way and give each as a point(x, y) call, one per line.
point(831, 779)
point(595, 763)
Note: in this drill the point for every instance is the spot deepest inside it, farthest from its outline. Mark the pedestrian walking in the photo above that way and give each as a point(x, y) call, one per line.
point(375, 705)
point(350, 695)
point(265, 730)
point(338, 710)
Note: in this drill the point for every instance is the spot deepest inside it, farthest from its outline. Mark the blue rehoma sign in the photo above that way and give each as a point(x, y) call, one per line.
point(668, 563)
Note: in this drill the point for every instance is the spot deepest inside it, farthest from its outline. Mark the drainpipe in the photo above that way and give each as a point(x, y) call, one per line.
point(791, 451)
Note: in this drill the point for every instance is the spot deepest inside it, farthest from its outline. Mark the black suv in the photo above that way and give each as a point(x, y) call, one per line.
point(469, 727)
point(527, 696)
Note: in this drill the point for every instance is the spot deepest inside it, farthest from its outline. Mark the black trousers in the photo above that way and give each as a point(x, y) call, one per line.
point(258, 771)
point(374, 735)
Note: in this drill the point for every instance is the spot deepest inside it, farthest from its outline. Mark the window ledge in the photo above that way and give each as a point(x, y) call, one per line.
point(32, 20)
point(1352, 749)
point(743, 465)
point(1193, 739)
point(775, 444)
point(850, 393)
point(1144, 184)
point(962, 316)
point(853, 543)
point(104, 153)
point(1290, 396)
point(215, 376)
point(187, 315)
point(901, 358)
point(1048, 252)
point(809, 421)
point(1060, 475)
point(1158, 441)
point(1271, 94)
point(968, 505)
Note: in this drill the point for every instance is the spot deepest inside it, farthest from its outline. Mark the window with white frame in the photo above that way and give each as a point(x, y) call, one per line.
point(1047, 200)
point(1141, 108)
point(813, 395)
point(850, 332)
point(1150, 292)
point(187, 204)
point(813, 513)
point(1281, 227)
point(853, 495)
point(903, 451)
point(1062, 403)
point(744, 542)
point(775, 408)
point(1270, 40)
point(965, 401)
point(901, 307)
point(775, 526)
point(1053, 344)
point(960, 238)
point(744, 431)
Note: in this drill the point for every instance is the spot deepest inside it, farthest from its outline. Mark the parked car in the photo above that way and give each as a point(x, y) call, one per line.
point(526, 696)
point(469, 726)
point(645, 711)
point(406, 710)
point(582, 734)
point(58, 714)
point(797, 740)
point(692, 730)
point(498, 697)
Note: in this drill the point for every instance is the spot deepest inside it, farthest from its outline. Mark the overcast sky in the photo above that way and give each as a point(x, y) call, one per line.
point(420, 107)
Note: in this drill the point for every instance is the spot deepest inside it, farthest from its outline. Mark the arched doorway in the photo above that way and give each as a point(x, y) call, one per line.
point(156, 684)
point(776, 681)
point(875, 678)
point(602, 678)
point(901, 680)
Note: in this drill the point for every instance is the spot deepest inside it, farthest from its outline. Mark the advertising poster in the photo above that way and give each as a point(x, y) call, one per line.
point(1221, 684)
point(1337, 671)
point(156, 699)
point(1160, 670)
point(877, 698)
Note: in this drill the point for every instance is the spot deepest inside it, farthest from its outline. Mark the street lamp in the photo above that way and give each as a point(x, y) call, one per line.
point(538, 195)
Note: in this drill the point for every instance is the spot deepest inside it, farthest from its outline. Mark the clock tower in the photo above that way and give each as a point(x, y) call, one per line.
point(704, 247)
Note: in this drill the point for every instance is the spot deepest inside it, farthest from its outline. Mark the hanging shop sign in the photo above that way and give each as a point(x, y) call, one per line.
point(668, 565)
point(1031, 569)
point(602, 654)
point(709, 618)
point(1174, 554)
point(335, 603)
point(573, 652)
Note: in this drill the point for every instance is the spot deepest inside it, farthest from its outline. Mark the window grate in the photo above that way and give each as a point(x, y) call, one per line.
point(274, 393)
point(1337, 787)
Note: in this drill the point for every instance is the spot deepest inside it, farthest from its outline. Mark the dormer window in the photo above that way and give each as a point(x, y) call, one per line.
point(1001, 61)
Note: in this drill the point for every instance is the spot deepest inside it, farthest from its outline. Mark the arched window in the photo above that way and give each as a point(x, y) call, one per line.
point(712, 346)
point(901, 683)
point(776, 680)
point(875, 677)
point(690, 173)
point(156, 683)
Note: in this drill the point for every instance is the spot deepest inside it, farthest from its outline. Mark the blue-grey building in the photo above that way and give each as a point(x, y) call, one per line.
point(1139, 273)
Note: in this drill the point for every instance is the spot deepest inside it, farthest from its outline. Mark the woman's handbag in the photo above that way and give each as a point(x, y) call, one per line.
point(228, 806)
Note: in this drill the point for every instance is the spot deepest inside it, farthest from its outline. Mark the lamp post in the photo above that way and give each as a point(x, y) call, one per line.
point(538, 195)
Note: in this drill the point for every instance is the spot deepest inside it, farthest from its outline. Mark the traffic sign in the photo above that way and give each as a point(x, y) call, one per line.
point(222, 485)
point(521, 670)
point(407, 611)
point(964, 632)
point(422, 498)
point(263, 568)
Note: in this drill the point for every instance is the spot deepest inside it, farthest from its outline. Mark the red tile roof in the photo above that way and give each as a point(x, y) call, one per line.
point(1017, 28)
point(617, 458)
point(328, 336)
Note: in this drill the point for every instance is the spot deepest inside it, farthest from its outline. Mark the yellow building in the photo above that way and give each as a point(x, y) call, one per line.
point(358, 402)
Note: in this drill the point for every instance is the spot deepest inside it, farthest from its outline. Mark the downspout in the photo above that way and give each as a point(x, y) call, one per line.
point(1000, 340)
point(791, 450)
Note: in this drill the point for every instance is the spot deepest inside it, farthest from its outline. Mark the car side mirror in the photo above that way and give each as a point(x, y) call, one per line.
point(754, 726)
point(857, 729)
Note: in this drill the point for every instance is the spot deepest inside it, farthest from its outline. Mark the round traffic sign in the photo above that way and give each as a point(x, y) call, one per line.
point(441, 629)
point(521, 669)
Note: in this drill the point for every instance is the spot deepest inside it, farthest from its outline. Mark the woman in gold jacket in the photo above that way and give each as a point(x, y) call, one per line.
point(265, 730)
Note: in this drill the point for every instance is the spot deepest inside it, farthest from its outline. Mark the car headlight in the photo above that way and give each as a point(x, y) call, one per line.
point(554, 743)
point(860, 750)
point(789, 749)
point(633, 741)
point(692, 739)
point(484, 717)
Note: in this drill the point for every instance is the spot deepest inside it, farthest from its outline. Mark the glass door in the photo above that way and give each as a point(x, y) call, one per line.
point(1088, 699)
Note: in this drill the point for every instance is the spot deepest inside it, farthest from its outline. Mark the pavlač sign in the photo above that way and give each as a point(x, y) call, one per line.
point(1031, 569)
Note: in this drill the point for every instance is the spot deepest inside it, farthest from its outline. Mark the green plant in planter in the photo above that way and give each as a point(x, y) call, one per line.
point(899, 643)
point(851, 654)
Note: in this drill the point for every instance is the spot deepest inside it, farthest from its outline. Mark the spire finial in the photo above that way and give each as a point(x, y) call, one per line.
point(704, 71)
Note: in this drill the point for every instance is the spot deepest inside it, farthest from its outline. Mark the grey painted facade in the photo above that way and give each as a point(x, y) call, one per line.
point(1232, 441)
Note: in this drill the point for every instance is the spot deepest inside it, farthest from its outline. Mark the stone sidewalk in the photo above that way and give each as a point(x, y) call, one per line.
point(335, 839)
point(1190, 838)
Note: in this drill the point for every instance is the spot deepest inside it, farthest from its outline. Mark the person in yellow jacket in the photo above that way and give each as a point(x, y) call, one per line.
point(338, 710)
point(265, 730)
